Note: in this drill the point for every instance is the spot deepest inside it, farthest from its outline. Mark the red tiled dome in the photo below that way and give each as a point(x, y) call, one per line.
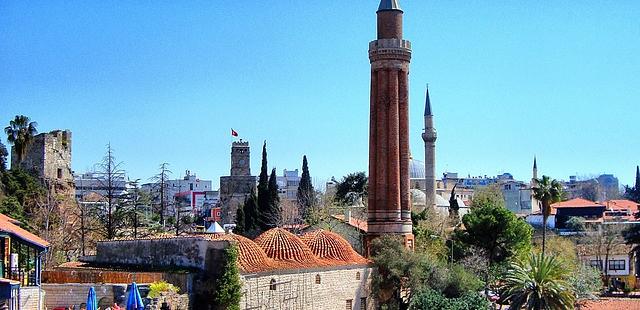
point(331, 246)
point(285, 247)
point(250, 257)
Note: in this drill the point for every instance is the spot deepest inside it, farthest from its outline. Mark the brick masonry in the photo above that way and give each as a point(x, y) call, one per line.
point(389, 200)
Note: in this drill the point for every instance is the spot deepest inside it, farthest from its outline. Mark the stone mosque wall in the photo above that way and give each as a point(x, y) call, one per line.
point(301, 290)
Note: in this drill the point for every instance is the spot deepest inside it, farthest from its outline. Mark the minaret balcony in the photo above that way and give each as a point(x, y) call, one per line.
point(390, 49)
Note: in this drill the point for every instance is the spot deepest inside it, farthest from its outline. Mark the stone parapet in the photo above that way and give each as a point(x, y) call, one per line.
point(389, 49)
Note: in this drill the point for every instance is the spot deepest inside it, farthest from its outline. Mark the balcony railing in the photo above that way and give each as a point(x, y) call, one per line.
point(25, 277)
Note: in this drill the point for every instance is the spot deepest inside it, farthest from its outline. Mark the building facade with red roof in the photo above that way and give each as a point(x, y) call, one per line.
point(279, 270)
point(591, 211)
point(20, 264)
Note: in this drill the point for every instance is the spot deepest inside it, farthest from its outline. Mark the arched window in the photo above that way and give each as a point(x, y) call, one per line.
point(317, 279)
point(358, 275)
point(272, 285)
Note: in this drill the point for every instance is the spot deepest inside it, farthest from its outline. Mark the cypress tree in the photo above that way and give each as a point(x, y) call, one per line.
point(274, 201)
point(638, 178)
point(240, 221)
point(251, 215)
point(306, 193)
point(263, 189)
point(229, 286)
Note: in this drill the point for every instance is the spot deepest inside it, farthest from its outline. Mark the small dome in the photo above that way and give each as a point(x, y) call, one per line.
point(328, 245)
point(250, 257)
point(282, 245)
point(441, 202)
point(418, 197)
point(416, 169)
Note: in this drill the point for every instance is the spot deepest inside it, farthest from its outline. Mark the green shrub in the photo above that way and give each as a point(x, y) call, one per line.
point(430, 299)
point(461, 281)
point(158, 287)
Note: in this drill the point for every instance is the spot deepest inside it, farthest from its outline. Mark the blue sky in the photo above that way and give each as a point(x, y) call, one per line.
point(164, 81)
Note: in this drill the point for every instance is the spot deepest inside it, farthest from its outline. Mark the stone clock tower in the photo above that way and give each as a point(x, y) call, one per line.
point(235, 187)
point(240, 159)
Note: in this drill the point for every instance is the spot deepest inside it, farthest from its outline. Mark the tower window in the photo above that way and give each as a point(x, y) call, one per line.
point(358, 275)
point(59, 173)
point(349, 305)
point(272, 285)
point(363, 303)
point(318, 279)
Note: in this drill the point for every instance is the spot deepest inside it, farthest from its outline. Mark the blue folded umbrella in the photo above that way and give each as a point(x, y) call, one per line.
point(92, 302)
point(134, 301)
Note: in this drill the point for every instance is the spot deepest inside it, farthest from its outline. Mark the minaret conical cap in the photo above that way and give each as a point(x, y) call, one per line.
point(389, 5)
point(427, 105)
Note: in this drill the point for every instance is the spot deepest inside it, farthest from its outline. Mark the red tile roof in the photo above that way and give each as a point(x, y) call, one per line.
point(332, 247)
point(251, 257)
point(287, 249)
point(8, 225)
point(576, 203)
point(619, 204)
point(610, 304)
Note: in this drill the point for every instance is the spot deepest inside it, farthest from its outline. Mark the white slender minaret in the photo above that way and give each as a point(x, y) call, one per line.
point(429, 136)
point(535, 172)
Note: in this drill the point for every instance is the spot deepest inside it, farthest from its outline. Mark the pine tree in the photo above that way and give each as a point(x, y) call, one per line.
point(251, 214)
point(240, 228)
point(306, 193)
point(263, 188)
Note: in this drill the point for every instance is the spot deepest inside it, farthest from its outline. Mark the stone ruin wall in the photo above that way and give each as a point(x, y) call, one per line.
point(48, 154)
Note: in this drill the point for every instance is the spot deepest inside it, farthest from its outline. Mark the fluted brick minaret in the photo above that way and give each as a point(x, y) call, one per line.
point(429, 137)
point(389, 201)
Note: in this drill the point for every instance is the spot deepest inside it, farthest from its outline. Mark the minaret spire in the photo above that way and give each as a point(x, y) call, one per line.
point(427, 104)
point(429, 137)
point(637, 177)
point(534, 176)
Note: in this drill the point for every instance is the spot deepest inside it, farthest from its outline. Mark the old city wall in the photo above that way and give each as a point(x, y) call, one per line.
point(299, 289)
point(181, 253)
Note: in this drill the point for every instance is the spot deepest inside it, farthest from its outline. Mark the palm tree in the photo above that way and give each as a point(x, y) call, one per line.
point(536, 284)
point(547, 191)
point(20, 133)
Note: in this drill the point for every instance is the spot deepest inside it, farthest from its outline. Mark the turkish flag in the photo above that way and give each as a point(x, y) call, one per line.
point(234, 133)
